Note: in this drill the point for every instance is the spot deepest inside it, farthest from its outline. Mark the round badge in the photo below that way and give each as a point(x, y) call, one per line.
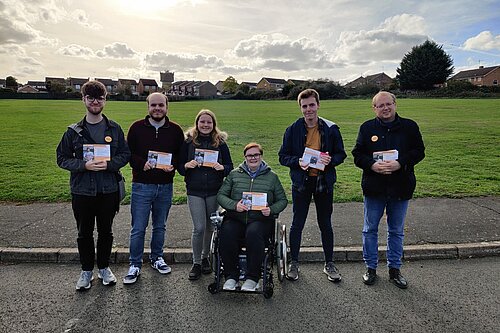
point(374, 138)
point(109, 139)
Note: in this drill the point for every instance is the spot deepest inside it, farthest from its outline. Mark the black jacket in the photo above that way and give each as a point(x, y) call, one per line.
point(70, 157)
point(404, 136)
point(203, 181)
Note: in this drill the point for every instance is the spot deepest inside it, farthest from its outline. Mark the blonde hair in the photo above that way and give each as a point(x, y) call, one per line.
point(216, 135)
point(374, 100)
point(253, 145)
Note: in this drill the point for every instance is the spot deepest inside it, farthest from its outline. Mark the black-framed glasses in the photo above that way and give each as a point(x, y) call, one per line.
point(99, 99)
point(252, 156)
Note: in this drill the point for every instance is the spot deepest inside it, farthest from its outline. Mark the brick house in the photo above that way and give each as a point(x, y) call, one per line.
point(39, 85)
point(482, 76)
point(267, 83)
point(380, 80)
point(147, 86)
point(111, 85)
point(77, 83)
point(131, 83)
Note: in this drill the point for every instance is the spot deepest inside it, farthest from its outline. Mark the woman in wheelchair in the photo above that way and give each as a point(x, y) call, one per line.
point(253, 196)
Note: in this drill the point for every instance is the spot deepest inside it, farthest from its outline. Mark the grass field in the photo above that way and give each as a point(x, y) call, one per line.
point(462, 137)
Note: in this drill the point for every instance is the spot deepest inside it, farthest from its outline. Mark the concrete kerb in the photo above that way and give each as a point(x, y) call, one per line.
point(307, 254)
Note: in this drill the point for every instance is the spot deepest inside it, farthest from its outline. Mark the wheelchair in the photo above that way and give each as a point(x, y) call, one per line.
point(275, 253)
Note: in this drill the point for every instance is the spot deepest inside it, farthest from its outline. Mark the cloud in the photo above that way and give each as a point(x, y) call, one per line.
point(388, 42)
point(80, 17)
point(160, 60)
point(279, 52)
point(116, 50)
point(74, 50)
point(485, 41)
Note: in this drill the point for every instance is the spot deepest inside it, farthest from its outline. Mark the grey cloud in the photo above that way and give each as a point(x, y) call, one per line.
point(74, 50)
point(160, 60)
point(116, 50)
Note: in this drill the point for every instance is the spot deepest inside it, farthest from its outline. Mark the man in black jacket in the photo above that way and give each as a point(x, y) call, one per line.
point(387, 149)
point(94, 180)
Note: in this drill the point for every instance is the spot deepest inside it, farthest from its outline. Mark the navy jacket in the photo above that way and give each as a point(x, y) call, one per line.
point(293, 146)
point(70, 157)
point(374, 135)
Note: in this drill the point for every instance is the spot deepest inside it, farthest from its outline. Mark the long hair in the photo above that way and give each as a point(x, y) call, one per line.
point(216, 135)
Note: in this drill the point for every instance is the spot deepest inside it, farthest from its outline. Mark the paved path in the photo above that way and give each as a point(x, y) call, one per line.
point(435, 228)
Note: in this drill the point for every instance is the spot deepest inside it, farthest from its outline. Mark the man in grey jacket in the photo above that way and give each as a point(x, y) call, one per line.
point(94, 182)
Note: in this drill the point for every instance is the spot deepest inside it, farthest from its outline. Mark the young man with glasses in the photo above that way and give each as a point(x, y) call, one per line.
point(387, 149)
point(322, 136)
point(93, 181)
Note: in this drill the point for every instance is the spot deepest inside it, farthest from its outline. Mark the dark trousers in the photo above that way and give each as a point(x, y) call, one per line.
point(88, 211)
point(254, 235)
point(324, 209)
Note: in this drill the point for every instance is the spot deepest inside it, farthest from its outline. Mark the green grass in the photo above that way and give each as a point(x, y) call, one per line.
point(462, 137)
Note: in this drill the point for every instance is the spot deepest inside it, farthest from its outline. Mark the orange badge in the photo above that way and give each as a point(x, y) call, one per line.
point(374, 138)
point(109, 139)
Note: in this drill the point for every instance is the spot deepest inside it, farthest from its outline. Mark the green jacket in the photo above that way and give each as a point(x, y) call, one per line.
point(239, 181)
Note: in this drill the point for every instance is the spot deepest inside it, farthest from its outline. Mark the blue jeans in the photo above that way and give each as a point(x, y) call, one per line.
point(146, 198)
point(396, 213)
point(324, 210)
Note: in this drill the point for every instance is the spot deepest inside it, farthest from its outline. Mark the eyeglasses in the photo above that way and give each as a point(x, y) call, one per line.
point(252, 156)
point(382, 106)
point(99, 99)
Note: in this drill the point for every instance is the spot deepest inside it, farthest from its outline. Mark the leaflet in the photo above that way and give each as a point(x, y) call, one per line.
point(312, 157)
point(159, 159)
point(96, 152)
point(254, 200)
point(206, 157)
point(386, 155)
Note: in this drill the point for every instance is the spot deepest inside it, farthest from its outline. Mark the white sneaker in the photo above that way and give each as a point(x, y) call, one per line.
point(161, 266)
point(249, 285)
point(107, 276)
point(85, 280)
point(230, 284)
point(132, 275)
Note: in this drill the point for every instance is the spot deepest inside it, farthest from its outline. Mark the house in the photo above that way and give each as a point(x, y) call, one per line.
point(129, 82)
point(27, 89)
point(193, 88)
point(220, 86)
point(380, 80)
point(482, 76)
point(76, 83)
point(51, 80)
point(111, 85)
point(39, 85)
point(147, 86)
point(294, 82)
point(2, 83)
point(205, 89)
point(252, 85)
point(268, 83)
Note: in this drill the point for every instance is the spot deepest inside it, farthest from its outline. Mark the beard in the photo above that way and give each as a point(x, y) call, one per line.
point(157, 116)
point(95, 110)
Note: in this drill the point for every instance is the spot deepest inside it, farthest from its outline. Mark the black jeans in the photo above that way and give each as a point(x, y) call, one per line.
point(254, 236)
point(324, 209)
point(88, 210)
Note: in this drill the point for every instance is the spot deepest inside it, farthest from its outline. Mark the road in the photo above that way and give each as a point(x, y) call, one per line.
point(443, 296)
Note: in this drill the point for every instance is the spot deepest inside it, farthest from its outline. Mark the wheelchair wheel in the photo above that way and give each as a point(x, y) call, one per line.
point(268, 290)
point(213, 251)
point(212, 288)
point(281, 252)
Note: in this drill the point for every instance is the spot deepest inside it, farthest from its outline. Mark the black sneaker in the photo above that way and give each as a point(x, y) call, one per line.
point(398, 279)
point(205, 266)
point(195, 272)
point(370, 276)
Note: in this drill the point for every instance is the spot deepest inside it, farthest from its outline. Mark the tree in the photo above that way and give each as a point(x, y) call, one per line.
point(424, 66)
point(11, 83)
point(230, 85)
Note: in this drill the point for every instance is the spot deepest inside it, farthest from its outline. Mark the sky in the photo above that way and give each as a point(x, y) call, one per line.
point(210, 40)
